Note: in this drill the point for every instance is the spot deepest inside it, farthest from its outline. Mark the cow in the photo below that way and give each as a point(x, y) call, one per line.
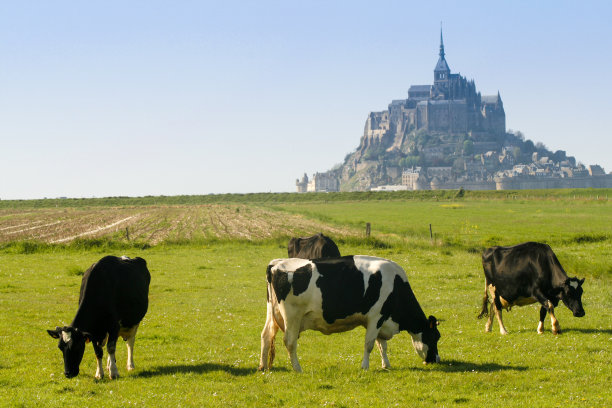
point(316, 246)
point(335, 295)
point(524, 274)
point(113, 300)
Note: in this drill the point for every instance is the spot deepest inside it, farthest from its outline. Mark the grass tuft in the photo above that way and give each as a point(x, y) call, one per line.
point(588, 238)
point(75, 271)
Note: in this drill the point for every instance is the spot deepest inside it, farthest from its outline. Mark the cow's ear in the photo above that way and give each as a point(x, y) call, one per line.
point(54, 333)
point(433, 322)
point(580, 282)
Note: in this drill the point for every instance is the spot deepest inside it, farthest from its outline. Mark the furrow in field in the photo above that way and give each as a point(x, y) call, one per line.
point(25, 224)
point(94, 231)
point(93, 223)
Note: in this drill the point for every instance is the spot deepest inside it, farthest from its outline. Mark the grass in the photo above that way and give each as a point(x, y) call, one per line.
point(199, 343)
point(589, 194)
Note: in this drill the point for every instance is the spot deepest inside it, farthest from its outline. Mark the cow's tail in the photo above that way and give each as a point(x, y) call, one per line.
point(485, 302)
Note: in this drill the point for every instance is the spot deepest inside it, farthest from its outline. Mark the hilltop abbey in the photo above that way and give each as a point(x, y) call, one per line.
point(446, 136)
point(451, 105)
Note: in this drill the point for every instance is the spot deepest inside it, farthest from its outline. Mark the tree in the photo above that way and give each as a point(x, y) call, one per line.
point(559, 156)
point(410, 161)
point(541, 147)
point(374, 153)
point(468, 148)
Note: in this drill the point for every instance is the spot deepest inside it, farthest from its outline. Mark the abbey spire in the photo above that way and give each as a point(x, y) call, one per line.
point(442, 71)
point(441, 44)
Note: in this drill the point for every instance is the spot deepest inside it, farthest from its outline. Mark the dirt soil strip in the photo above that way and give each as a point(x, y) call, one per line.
point(20, 225)
point(32, 228)
point(93, 231)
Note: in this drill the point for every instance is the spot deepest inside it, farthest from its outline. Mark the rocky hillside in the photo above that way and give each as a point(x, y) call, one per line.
point(382, 162)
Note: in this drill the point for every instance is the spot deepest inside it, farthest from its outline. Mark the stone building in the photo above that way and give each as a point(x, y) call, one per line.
point(415, 178)
point(320, 182)
point(302, 185)
point(452, 105)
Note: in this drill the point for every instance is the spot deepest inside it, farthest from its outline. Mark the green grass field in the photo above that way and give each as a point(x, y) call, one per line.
point(199, 343)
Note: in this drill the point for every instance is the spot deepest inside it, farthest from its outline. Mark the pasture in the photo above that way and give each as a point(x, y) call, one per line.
point(199, 343)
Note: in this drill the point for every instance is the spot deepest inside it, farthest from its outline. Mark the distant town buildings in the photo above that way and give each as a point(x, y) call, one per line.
point(320, 182)
point(540, 174)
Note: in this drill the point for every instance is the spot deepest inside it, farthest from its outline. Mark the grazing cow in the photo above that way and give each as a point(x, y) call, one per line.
point(338, 294)
point(317, 246)
point(524, 274)
point(113, 301)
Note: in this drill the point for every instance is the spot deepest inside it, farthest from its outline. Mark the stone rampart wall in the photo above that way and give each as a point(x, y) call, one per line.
point(523, 183)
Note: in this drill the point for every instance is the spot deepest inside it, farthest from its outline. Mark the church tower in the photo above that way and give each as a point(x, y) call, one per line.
point(441, 71)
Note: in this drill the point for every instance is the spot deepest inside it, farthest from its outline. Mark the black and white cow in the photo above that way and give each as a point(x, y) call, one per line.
point(524, 274)
point(316, 246)
point(338, 294)
point(114, 299)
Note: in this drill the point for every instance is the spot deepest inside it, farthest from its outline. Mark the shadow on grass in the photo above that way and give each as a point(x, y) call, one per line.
point(586, 331)
point(202, 368)
point(455, 366)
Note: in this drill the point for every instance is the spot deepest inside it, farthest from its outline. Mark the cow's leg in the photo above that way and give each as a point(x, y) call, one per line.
point(491, 311)
point(556, 328)
point(111, 347)
point(498, 315)
point(489, 322)
point(370, 339)
point(131, 338)
point(292, 333)
point(382, 347)
point(495, 308)
point(99, 351)
point(542, 317)
point(485, 300)
point(290, 339)
point(268, 335)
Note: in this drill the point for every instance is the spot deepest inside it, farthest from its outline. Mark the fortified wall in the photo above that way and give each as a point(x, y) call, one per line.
point(532, 183)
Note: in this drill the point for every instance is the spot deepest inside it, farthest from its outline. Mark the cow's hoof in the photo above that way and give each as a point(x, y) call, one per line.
point(504, 332)
point(98, 377)
point(130, 368)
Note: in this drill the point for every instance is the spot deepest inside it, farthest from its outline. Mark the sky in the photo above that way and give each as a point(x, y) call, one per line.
point(134, 98)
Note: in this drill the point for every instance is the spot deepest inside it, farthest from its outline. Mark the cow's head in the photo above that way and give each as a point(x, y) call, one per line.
point(572, 295)
point(72, 345)
point(426, 342)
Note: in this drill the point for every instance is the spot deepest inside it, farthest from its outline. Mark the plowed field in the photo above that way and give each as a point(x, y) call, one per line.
point(155, 224)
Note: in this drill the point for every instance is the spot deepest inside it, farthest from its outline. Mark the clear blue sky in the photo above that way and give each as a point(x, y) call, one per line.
point(105, 98)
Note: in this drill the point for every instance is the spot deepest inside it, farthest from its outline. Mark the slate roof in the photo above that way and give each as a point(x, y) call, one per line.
point(442, 65)
point(443, 102)
point(490, 98)
point(419, 88)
